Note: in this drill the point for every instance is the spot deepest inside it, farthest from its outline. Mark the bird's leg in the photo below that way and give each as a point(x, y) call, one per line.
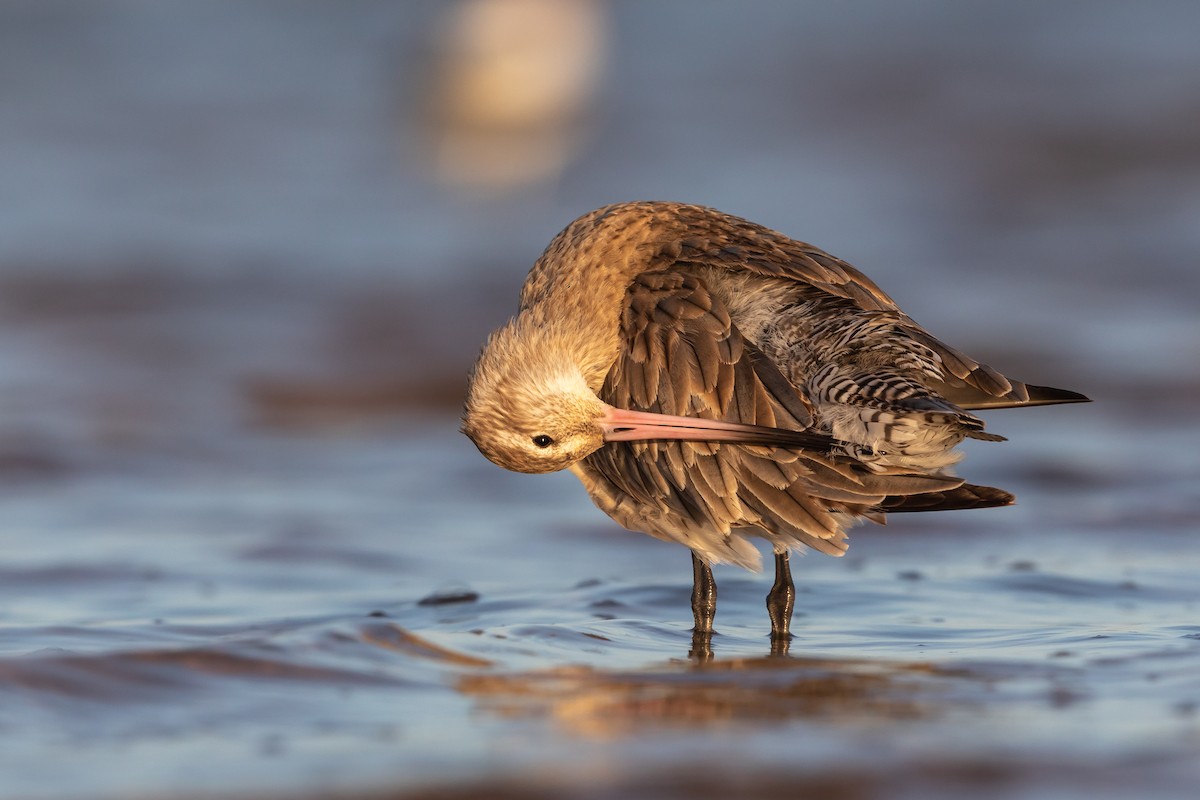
point(704, 609)
point(704, 595)
point(781, 599)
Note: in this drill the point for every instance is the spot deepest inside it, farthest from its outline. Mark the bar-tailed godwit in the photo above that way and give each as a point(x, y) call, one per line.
point(710, 380)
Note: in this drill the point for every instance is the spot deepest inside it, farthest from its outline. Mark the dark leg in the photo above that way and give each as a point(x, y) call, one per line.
point(704, 609)
point(781, 600)
point(704, 595)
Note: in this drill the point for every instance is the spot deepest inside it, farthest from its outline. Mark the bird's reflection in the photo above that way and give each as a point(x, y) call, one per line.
point(701, 646)
point(704, 689)
point(701, 650)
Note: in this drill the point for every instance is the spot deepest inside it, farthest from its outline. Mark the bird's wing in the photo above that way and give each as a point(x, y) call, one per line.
point(969, 384)
point(682, 355)
point(738, 245)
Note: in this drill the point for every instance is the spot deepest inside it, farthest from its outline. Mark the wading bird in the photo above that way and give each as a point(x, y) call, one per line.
point(710, 380)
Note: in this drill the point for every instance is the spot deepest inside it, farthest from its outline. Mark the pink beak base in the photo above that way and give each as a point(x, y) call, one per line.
point(620, 425)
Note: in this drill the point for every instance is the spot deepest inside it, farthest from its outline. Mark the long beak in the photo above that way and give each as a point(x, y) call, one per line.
point(620, 425)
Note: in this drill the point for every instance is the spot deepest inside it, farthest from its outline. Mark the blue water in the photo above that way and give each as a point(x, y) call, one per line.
point(246, 552)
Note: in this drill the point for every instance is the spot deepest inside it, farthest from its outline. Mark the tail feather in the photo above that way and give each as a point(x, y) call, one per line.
point(1023, 394)
point(965, 496)
point(1048, 395)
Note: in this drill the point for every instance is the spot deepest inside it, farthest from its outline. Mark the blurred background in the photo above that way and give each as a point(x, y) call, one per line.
point(249, 250)
point(255, 208)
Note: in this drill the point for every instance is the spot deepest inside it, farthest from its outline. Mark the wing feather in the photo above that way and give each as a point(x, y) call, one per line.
point(721, 241)
point(684, 355)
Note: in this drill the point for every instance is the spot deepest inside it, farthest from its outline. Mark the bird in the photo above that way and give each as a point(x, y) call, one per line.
point(711, 381)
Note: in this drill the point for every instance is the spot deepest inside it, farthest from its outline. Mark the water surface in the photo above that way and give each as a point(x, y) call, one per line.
point(247, 554)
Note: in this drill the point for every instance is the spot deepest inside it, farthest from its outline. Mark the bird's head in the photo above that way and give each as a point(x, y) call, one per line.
point(549, 433)
point(529, 408)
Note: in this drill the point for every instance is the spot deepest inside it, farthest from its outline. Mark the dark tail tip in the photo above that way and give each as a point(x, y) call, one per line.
point(965, 496)
point(1047, 395)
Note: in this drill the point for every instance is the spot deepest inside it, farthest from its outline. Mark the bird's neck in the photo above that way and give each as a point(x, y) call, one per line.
point(575, 293)
point(580, 343)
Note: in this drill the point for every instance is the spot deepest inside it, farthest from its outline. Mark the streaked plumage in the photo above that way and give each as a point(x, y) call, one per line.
point(811, 400)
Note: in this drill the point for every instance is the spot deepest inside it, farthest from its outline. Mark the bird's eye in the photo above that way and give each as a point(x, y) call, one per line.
point(542, 440)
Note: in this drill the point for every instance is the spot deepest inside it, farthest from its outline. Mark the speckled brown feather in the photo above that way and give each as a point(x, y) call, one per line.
point(684, 356)
point(680, 309)
point(586, 268)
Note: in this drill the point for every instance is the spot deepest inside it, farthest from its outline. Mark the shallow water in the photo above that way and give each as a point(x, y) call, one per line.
point(378, 610)
point(247, 554)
